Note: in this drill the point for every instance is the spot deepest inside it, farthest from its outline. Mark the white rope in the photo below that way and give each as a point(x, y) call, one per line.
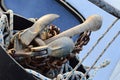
point(3, 24)
point(40, 76)
point(75, 73)
point(102, 52)
point(8, 26)
point(11, 22)
point(88, 53)
point(96, 68)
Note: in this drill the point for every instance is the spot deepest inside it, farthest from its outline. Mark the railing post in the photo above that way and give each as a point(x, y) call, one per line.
point(107, 7)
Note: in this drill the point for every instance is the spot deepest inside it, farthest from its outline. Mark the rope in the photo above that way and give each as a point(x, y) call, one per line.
point(3, 26)
point(103, 52)
point(102, 65)
point(11, 22)
point(38, 75)
point(88, 53)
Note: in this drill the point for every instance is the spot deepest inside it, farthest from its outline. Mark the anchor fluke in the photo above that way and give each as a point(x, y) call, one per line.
point(29, 34)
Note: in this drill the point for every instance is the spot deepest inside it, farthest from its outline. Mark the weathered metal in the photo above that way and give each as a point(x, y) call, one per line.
point(37, 28)
point(58, 48)
point(105, 63)
point(107, 7)
point(81, 41)
point(92, 23)
point(30, 47)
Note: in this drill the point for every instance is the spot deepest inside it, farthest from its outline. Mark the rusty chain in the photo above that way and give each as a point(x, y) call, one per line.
point(82, 41)
point(37, 63)
point(50, 63)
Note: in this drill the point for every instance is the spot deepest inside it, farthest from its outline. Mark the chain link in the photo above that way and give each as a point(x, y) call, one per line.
point(83, 39)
